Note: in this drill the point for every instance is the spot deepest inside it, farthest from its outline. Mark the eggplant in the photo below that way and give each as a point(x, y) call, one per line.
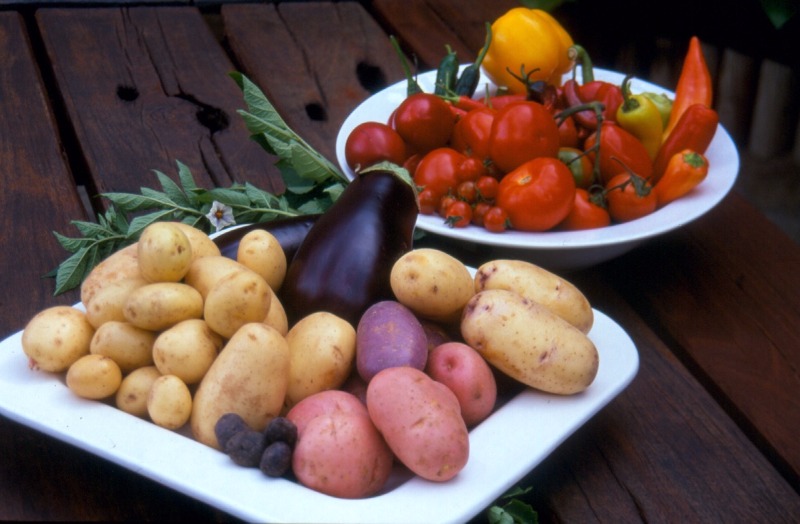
point(289, 232)
point(344, 263)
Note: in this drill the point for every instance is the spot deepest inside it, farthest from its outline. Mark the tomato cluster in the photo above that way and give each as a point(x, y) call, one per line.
point(511, 161)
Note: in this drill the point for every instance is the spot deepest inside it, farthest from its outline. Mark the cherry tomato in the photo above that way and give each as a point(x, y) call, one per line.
point(467, 191)
point(585, 214)
point(496, 219)
point(471, 169)
point(471, 133)
point(424, 121)
point(568, 133)
point(487, 187)
point(538, 194)
point(579, 164)
point(445, 203)
point(521, 132)
point(428, 202)
point(629, 197)
point(372, 142)
point(479, 211)
point(458, 214)
point(438, 170)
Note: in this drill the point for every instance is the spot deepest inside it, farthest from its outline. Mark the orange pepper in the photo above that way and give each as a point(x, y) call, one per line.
point(694, 84)
point(685, 170)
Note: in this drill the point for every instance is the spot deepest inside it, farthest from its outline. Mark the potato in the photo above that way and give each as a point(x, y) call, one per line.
point(235, 300)
point(420, 419)
point(322, 349)
point(432, 284)
point(528, 342)
point(464, 371)
point(119, 265)
point(206, 271)
point(127, 345)
point(56, 337)
point(186, 350)
point(94, 377)
point(536, 283)
point(249, 377)
point(389, 335)
point(108, 302)
point(160, 305)
point(202, 245)
point(169, 402)
point(339, 451)
point(276, 316)
point(260, 251)
point(164, 253)
point(132, 394)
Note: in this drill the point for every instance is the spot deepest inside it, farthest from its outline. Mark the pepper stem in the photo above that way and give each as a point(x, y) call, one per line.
point(581, 57)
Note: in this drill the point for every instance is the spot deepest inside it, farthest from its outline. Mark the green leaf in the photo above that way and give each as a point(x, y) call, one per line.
point(173, 190)
point(89, 229)
point(229, 196)
point(139, 223)
point(128, 202)
point(185, 176)
point(72, 244)
point(71, 272)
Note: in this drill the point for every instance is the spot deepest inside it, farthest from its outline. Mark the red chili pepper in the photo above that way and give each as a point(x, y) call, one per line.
point(591, 90)
point(694, 84)
point(619, 151)
point(695, 130)
point(685, 170)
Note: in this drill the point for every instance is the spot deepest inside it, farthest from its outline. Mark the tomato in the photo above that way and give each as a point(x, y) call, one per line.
point(520, 132)
point(538, 194)
point(630, 197)
point(444, 203)
point(467, 191)
point(428, 202)
point(471, 169)
point(487, 187)
point(438, 170)
point(411, 163)
point(424, 121)
point(568, 133)
point(471, 133)
point(585, 214)
point(579, 164)
point(372, 142)
point(496, 219)
point(458, 214)
point(479, 211)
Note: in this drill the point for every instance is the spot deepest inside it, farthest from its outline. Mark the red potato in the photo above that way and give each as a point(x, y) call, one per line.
point(389, 335)
point(420, 419)
point(339, 451)
point(464, 371)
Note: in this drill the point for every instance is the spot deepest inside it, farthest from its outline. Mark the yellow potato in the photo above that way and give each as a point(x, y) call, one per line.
point(132, 394)
point(202, 245)
point(276, 316)
point(249, 377)
point(109, 300)
point(127, 345)
point(94, 377)
point(186, 350)
point(322, 349)
point(536, 283)
point(119, 265)
point(235, 300)
point(56, 337)
point(432, 284)
point(164, 253)
point(206, 271)
point(260, 251)
point(529, 343)
point(169, 402)
point(160, 305)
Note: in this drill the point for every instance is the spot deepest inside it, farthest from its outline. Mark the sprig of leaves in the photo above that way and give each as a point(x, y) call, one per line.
point(312, 183)
point(514, 511)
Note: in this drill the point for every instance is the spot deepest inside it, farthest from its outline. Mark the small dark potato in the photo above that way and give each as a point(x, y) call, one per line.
point(246, 447)
point(227, 426)
point(281, 429)
point(276, 459)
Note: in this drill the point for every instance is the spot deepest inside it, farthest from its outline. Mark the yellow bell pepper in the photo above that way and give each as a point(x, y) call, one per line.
point(528, 41)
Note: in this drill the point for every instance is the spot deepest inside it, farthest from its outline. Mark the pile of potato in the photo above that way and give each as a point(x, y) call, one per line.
point(177, 333)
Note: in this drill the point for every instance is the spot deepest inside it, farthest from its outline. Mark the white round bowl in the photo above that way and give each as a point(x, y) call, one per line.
point(565, 250)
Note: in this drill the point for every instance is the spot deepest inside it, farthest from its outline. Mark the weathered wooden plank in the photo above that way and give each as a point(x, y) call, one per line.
point(740, 337)
point(37, 191)
point(333, 56)
point(146, 87)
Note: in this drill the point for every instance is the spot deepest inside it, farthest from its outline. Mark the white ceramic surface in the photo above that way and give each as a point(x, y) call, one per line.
point(503, 449)
point(567, 250)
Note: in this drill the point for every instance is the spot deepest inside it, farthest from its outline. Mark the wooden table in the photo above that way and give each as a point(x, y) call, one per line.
point(95, 99)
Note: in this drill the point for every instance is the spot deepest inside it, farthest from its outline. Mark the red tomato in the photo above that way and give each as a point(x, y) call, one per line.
point(568, 133)
point(438, 170)
point(479, 211)
point(538, 194)
point(585, 214)
point(579, 164)
point(428, 202)
point(629, 198)
point(372, 142)
point(458, 214)
point(496, 219)
point(487, 187)
point(471, 133)
point(471, 169)
point(521, 132)
point(424, 121)
point(619, 149)
point(467, 191)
